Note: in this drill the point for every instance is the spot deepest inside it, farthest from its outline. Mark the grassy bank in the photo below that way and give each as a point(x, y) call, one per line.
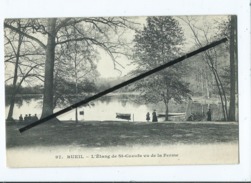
point(111, 133)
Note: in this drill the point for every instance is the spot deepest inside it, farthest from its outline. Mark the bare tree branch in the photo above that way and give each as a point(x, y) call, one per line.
point(25, 34)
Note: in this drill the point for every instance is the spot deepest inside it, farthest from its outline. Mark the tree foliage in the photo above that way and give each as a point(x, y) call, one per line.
point(22, 60)
point(55, 33)
point(160, 41)
point(214, 57)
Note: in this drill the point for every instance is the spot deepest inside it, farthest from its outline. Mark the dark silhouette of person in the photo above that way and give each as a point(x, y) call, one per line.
point(35, 118)
point(26, 117)
point(21, 118)
point(147, 116)
point(209, 115)
point(154, 118)
point(29, 117)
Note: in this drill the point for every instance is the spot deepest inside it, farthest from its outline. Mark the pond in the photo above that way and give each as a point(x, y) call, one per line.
point(106, 108)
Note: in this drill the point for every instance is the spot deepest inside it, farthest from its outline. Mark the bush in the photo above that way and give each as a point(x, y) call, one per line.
point(196, 117)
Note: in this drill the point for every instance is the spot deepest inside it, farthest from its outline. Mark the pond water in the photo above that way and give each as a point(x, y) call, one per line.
point(106, 108)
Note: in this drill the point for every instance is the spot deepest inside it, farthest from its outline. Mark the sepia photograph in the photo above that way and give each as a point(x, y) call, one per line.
point(121, 91)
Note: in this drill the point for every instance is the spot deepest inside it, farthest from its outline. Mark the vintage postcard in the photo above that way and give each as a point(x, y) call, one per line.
point(185, 112)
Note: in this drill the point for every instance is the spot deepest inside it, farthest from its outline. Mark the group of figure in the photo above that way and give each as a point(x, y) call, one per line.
point(28, 118)
point(154, 117)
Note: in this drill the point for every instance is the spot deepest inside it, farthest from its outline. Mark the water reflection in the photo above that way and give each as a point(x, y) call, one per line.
point(106, 108)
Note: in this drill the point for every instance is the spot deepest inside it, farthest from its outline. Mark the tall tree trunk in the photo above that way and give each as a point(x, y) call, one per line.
point(49, 68)
point(76, 92)
point(221, 96)
point(76, 115)
point(207, 89)
point(166, 115)
point(13, 95)
point(233, 59)
point(11, 109)
point(202, 85)
point(219, 86)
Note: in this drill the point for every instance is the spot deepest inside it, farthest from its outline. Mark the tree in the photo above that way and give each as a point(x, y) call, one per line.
point(49, 33)
point(159, 42)
point(200, 77)
point(203, 35)
point(228, 29)
point(233, 67)
point(75, 65)
point(21, 54)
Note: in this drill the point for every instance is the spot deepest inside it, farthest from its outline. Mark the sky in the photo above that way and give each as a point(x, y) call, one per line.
point(105, 65)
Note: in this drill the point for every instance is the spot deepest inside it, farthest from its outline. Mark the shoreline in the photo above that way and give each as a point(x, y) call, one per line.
point(125, 121)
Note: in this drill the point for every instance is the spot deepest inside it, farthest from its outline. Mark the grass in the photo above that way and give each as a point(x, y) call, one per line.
point(110, 133)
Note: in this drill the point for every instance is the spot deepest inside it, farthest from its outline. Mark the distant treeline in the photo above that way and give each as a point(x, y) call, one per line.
point(24, 90)
point(66, 87)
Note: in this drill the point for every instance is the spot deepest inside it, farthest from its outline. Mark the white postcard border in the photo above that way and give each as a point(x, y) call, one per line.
point(64, 8)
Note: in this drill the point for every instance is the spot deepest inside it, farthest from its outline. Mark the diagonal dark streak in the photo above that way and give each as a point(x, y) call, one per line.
point(116, 87)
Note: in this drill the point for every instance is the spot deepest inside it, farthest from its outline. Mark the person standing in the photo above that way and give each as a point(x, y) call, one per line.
point(147, 116)
point(29, 118)
point(26, 118)
point(35, 117)
point(21, 118)
point(209, 115)
point(154, 116)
